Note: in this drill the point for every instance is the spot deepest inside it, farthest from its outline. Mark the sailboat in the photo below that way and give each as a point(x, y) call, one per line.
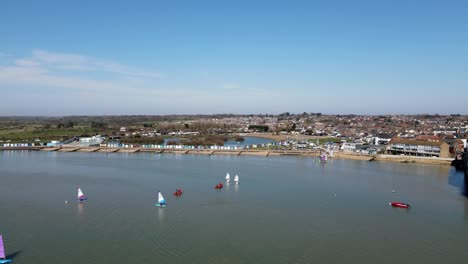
point(228, 177)
point(2, 252)
point(161, 201)
point(81, 196)
point(236, 179)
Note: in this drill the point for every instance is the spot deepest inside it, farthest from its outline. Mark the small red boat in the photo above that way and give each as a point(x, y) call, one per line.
point(219, 186)
point(399, 204)
point(178, 192)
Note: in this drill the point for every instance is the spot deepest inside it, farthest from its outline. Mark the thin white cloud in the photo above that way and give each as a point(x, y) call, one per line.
point(75, 62)
point(37, 78)
point(71, 79)
point(27, 63)
point(59, 70)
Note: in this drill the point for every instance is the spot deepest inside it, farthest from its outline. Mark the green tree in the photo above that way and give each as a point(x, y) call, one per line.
point(259, 128)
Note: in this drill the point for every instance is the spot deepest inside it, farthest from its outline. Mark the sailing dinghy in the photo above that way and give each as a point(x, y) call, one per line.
point(236, 179)
point(400, 204)
point(81, 196)
point(161, 202)
point(2, 252)
point(228, 177)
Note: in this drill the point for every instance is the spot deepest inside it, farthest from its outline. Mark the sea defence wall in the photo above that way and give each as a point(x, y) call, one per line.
point(414, 159)
point(354, 156)
point(395, 158)
point(247, 152)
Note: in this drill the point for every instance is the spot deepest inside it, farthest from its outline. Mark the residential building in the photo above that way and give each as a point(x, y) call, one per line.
point(351, 147)
point(419, 148)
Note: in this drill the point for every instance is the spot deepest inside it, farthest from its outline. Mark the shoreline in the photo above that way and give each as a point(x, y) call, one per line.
point(245, 152)
point(395, 158)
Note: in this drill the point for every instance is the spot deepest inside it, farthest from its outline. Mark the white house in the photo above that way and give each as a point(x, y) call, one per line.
point(351, 147)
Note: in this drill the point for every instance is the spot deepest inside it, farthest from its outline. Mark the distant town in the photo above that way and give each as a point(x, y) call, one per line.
point(443, 136)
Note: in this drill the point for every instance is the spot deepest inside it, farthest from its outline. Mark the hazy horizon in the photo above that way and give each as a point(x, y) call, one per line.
point(162, 58)
point(238, 114)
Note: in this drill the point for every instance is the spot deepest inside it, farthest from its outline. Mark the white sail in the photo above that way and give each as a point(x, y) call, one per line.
point(236, 178)
point(161, 198)
point(80, 193)
point(228, 177)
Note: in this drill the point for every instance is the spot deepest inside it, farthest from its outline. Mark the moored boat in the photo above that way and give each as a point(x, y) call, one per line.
point(400, 204)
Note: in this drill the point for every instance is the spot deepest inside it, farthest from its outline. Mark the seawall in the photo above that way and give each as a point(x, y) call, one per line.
point(247, 152)
point(395, 158)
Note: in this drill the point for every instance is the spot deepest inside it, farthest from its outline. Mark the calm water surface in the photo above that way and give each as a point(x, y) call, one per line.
point(285, 210)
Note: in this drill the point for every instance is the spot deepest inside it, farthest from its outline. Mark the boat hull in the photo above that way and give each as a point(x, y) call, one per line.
point(5, 261)
point(400, 205)
point(160, 205)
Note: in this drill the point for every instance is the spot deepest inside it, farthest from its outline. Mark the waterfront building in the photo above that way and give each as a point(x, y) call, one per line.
point(419, 148)
point(93, 141)
point(382, 139)
point(351, 147)
point(369, 149)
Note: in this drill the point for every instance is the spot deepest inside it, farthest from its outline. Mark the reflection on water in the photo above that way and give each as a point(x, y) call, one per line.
point(160, 212)
point(457, 179)
point(80, 207)
point(464, 188)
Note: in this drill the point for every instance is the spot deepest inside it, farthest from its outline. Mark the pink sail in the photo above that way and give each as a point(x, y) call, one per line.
point(81, 196)
point(2, 250)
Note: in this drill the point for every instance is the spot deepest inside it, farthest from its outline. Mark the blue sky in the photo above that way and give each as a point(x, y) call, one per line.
point(189, 57)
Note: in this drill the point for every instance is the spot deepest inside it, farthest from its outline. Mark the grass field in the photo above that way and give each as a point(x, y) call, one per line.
point(32, 132)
